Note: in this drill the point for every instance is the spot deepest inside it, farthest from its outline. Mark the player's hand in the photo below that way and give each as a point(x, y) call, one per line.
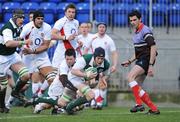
point(126, 63)
point(27, 51)
point(80, 43)
point(28, 42)
point(91, 75)
point(151, 71)
point(113, 69)
point(72, 37)
point(102, 83)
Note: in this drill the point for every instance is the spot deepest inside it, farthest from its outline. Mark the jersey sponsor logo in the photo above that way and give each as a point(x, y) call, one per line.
point(37, 41)
point(73, 31)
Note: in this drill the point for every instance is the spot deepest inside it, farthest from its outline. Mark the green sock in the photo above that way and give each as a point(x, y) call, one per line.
point(46, 100)
point(77, 102)
point(19, 85)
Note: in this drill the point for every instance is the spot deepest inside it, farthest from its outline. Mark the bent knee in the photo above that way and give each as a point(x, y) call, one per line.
point(90, 95)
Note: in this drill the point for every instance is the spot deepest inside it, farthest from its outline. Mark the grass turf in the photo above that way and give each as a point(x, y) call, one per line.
point(108, 114)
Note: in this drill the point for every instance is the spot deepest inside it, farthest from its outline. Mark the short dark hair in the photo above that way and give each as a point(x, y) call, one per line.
point(135, 13)
point(70, 52)
point(31, 12)
point(99, 51)
point(71, 5)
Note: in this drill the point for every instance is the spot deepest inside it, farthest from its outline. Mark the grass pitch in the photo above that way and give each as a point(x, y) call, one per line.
point(108, 114)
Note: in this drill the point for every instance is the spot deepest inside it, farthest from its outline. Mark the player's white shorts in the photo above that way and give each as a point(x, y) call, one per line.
point(56, 88)
point(33, 62)
point(57, 59)
point(7, 61)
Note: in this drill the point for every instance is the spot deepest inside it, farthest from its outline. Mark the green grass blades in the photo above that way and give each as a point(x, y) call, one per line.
point(108, 114)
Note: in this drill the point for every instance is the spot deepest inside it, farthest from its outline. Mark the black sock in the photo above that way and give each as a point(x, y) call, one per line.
point(19, 85)
point(2, 98)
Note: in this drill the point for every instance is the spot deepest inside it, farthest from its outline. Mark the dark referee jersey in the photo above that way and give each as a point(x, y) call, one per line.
point(143, 39)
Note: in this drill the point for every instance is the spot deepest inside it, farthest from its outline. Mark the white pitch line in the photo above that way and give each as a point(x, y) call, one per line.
point(40, 116)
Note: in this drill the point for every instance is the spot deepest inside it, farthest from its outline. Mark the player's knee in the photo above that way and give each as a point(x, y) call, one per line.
point(130, 77)
point(62, 102)
point(50, 77)
point(24, 74)
point(90, 95)
point(3, 83)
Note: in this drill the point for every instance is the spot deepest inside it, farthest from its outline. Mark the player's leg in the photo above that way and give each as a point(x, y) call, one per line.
point(23, 79)
point(88, 96)
point(138, 92)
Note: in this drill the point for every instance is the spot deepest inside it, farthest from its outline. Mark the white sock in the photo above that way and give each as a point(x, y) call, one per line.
point(35, 88)
point(9, 102)
point(45, 85)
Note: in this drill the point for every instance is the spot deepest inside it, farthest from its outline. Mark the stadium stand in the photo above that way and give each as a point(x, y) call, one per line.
point(83, 10)
point(159, 14)
point(7, 9)
point(120, 14)
point(49, 9)
point(102, 12)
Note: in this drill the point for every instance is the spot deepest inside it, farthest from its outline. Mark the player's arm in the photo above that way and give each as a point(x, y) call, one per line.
point(153, 49)
point(129, 61)
point(66, 83)
point(114, 61)
point(55, 35)
point(44, 46)
point(9, 41)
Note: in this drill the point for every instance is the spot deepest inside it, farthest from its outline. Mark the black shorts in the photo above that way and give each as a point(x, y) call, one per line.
point(144, 63)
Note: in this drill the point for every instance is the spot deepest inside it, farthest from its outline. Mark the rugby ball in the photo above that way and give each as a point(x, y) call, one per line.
point(89, 71)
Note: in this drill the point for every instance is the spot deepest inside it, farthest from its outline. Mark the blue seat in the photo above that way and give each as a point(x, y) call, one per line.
point(120, 12)
point(143, 1)
point(0, 8)
point(9, 6)
point(29, 6)
point(55, 1)
point(35, 0)
point(19, 0)
point(127, 1)
point(7, 9)
point(143, 8)
point(60, 9)
point(92, 0)
point(159, 14)
point(1, 25)
point(102, 12)
point(83, 12)
point(48, 7)
point(49, 10)
point(163, 1)
point(174, 14)
point(73, 1)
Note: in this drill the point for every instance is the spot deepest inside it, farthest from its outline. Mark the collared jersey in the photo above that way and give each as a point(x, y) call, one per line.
point(69, 28)
point(36, 35)
point(141, 43)
point(8, 32)
point(86, 40)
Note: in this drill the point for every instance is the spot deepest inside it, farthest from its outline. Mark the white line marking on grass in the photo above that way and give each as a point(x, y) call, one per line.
point(23, 117)
point(40, 116)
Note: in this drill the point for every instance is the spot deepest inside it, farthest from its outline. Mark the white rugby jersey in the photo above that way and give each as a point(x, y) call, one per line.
point(37, 36)
point(105, 42)
point(69, 28)
point(86, 40)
